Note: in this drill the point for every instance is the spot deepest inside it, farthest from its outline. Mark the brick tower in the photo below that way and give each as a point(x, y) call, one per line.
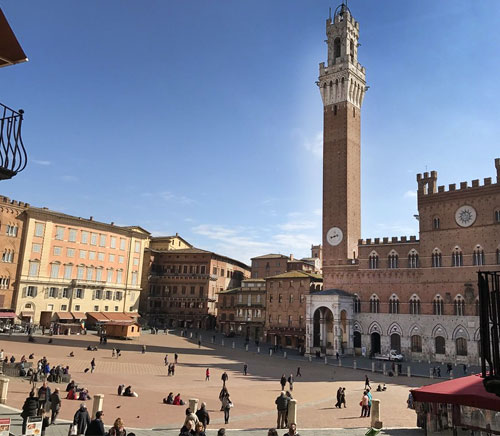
point(342, 86)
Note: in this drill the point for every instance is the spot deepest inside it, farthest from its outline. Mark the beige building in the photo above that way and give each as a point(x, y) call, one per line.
point(242, 310)
point(11, 228)
point(72, 264)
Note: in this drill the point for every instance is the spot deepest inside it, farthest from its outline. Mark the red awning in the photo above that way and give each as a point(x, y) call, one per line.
point(7, 315)
point(10, 50)
point(465, 391)
point(98, 316)
point(64, 315)
point(79, 315)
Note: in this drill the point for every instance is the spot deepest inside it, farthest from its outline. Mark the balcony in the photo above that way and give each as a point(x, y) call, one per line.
point(13, 157)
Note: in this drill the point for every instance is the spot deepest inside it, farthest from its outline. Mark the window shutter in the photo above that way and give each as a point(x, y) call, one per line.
point(24, 292)
point(35, 291)
point(93, 295)
point(46, 293)
point(83, 293)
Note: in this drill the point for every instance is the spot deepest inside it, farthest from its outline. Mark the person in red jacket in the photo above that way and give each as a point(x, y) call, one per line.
point(207, 374)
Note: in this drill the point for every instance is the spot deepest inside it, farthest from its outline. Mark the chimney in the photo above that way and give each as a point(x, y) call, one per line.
point(91, 218)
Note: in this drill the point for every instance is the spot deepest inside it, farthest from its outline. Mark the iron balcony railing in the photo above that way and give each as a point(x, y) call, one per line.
point(489, 328)
point(13, 156)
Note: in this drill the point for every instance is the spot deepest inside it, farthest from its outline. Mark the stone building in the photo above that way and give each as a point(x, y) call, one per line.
point(286, 307)
point(269, 265)
point(417, 295)
point(72, 264)
point(242, 310)
point(11, 229)
point(183, 286)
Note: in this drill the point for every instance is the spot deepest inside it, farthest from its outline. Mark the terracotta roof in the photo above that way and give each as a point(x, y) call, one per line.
point(297, 275)
point(79, 315)
point(98, 316)
point(117, 316)
point(133, 314)
point(271, 256)
point(64, 315)
point(131, 322)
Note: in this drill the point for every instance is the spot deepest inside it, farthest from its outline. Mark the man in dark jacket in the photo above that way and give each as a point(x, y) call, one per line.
point(96, 426)
point(43, 396)
point(292, 431)
point(283, 382)
point(282, 406)
point(30, 408)
point(81, 419)
point(203, 415)
point(55, 405)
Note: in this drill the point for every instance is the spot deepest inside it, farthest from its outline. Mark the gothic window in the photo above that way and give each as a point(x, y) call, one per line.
point(374, 304)
point(416, 344)
point(438, 305)
point(461, 346)
point(336, 48)
point(394, 304)
point(457, 258)
point(413, 259)
point(414, 305)
point(478, 256)
point(392, 260)
point(440, 345)
point(436, 223)
point(497, 216)
point(357, 304)
point(459, 306)
point(373, 261)
point(436, 259)
point(351, 50)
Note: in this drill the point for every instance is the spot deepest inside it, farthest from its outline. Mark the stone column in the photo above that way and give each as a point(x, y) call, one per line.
point(193, 404)
point(258, 350)
point(4, 389)
point(384, 368)
point(97, 404)
point(355, 364)
point(376, 419)
point(292, 412)
point(284, 354)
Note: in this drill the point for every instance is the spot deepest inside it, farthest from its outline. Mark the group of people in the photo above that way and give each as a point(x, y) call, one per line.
point(127, 391)
point(195, 424)
point(83, 425)
point(38, 405)
point(77, 393)
point(290, 381)
point(340, 398)
point(175, 401)
point(283, 406)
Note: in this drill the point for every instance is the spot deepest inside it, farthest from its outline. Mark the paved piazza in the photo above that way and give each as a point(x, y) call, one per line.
point(253, 395)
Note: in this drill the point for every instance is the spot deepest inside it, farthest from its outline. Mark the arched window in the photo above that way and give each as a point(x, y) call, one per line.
point(440, 345)
point(412, 259)
point(374, 304)
point(373, 261)
point(497, 216)
point(436, 258)
point(357, 304)
point(459, 305)
point(394, 304)
point(461, 346)
point(414, 305)
point(436, 223)
point(438, 305)
point(392, 260)
point(478, 256)
point(416, 344)
point(457, 258)
point(336, 48)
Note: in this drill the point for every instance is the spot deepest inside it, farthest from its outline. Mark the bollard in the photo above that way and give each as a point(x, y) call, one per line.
point(340, 361)
point(233, 344)
point(326, 360)
point(451, 374)
point(270, 351)
point(355, 365)
point(310, 358)
point(431, 375)
point(222, 342)
point(384, 368)
point(193, 404)
point(396, 370)
point(97, 403)
point(200, 338)
point(408, 370)
point(292, 412)
point(284, 354)
point(4, 389)
point(213, 340)
point(246, 347)
point(258, 350)
point(373, 366)
point(191, 335)
point(376, 421)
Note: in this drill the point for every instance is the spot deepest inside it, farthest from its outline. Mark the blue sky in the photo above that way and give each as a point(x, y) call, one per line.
point(203, 118)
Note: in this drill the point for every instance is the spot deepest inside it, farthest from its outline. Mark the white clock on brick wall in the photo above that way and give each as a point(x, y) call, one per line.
point(334, 236)
point(465, 216)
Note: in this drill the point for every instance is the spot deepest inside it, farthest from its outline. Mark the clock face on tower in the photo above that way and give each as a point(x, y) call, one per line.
point(465, 216)
point(334, 236)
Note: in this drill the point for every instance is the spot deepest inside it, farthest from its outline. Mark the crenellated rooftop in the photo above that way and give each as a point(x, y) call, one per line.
point(388, 241)
point(7, 200)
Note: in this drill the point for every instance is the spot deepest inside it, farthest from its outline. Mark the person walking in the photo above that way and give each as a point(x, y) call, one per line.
point(290, 382)
point(207, 374)
point(342, 399)
point(298, 372)
point(292, 430)
point(55, 405)
point(282, 406)
point(81, 419)
point(283, 382)
point(96, 426)
point(227, 404)
point(367, 382)
point(176, 357)
point(223, 393)
point(439, 371)
point(118, 428)
point(166, 359)
point(364, 405)
point(43, 397)
point(92, 365)
point(224, 378)
point(245, 369)
point(203, 415)
point(339, 397)
point(30, 408)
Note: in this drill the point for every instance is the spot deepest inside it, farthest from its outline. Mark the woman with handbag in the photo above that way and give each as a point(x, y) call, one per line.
point(227, 404)
point(80, 421)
